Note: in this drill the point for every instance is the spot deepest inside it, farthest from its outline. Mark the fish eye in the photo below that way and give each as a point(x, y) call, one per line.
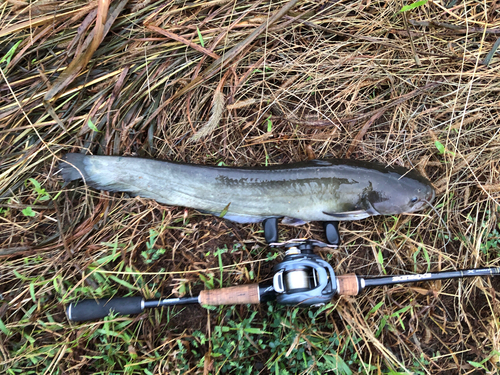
point(414, 200)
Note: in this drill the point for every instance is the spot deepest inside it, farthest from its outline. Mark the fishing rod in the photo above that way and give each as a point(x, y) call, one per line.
point(302, 278)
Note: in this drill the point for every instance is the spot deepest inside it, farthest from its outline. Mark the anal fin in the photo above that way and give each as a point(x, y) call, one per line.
point(348, 215)
point(237, 218)
point(292, 221)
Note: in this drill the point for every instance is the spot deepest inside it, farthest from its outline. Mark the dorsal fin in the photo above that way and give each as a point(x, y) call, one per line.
point(319, 162)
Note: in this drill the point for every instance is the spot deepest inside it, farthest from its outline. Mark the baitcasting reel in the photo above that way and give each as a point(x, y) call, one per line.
point(303, 278)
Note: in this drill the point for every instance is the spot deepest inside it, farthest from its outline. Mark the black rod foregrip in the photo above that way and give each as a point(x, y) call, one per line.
point(90, 309)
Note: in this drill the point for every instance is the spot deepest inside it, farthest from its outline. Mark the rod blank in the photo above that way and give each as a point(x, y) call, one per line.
point(429, 276)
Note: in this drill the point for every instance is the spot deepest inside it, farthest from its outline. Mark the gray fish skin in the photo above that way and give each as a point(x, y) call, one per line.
point(316, 190)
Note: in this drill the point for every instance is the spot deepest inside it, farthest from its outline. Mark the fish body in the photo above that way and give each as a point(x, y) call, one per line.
point(316, 190)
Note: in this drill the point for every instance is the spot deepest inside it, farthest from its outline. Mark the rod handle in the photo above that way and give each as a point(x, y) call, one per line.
point(348, 284)
point(90, 309)
point(235, 295)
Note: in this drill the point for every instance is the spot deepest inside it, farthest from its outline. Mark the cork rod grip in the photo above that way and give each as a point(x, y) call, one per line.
point(348, 284)
point(235, 295)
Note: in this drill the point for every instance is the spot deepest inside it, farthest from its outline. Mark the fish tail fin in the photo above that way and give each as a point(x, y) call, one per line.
point(73, 167)
point(102, 172)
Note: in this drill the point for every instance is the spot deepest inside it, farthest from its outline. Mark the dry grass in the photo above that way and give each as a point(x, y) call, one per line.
point(325, 79)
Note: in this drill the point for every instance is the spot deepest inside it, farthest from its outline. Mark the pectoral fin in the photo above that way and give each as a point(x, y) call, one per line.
point(366, 211)
point(370, 209)
point(353, 215)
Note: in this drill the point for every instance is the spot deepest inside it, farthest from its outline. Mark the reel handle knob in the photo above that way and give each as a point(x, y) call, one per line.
point(270, 230)
point(332, 232)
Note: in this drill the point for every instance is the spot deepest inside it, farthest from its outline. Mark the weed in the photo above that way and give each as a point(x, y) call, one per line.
point(28, 211)
point(269, 124)
point(237, 345)
point(92, 126)
point(200, 37)
point(8, 56)
point(151, 254)
point(442, 150)
point(414, 5)
point(42, 195)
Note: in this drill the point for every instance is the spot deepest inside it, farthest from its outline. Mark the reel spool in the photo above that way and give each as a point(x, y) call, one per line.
point(303, 278)
point(298, 280)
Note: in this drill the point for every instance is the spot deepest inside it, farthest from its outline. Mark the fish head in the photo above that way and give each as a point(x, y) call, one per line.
point(405, 194)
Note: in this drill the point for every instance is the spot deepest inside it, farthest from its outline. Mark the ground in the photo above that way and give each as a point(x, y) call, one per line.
point(251, 83)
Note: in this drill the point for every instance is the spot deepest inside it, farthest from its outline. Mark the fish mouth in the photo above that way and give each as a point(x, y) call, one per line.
point(420, 205)
point(424, 202)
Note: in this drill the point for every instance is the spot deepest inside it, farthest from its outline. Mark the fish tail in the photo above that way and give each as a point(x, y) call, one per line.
point(110, 173)
point(73, 167)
